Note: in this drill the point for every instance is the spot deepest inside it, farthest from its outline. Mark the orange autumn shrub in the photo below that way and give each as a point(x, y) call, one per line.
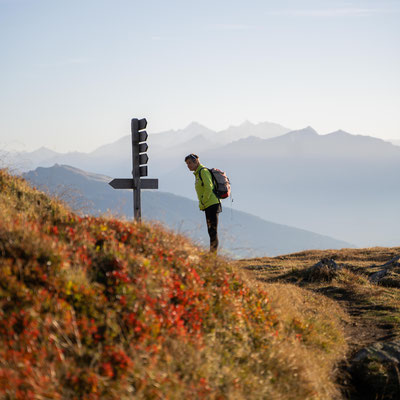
point(97, 308)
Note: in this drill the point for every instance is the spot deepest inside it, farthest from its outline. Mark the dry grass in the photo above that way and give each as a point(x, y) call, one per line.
point(358, 265)
point(97, 308)
point(317, 323)
point(369, 312)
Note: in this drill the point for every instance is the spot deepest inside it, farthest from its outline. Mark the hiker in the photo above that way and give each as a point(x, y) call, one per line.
point(208, 201)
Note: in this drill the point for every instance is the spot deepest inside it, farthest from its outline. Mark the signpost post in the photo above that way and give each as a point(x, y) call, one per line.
point(139, 167)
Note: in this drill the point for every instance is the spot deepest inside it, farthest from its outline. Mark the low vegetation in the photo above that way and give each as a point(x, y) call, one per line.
point(373, 307)
point(98, 308)
point(350, 283)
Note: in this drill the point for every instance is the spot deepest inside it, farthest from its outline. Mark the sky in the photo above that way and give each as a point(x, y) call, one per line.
point(74, 72)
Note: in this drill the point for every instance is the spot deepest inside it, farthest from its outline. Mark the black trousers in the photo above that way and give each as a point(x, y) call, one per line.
point(212, 225)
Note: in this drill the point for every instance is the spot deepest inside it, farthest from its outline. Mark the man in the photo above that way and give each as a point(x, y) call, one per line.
point(208, 201)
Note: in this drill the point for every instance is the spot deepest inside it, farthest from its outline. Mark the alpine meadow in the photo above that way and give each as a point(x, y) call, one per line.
point(97, 308)
point(100, 308)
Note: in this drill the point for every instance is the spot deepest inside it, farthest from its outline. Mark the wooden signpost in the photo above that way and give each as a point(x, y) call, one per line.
point(139, 167)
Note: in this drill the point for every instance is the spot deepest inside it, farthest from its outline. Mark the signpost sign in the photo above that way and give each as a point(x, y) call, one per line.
point(139, 167)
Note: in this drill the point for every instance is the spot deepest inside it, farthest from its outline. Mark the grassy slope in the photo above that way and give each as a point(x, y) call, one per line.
point(374, 310)
point(378, 305)
point(96, 308)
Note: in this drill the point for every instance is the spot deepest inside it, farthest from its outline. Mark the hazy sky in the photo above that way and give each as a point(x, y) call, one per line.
point(74, 72)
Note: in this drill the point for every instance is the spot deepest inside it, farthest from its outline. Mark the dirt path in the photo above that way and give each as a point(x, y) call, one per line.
point(361, 331)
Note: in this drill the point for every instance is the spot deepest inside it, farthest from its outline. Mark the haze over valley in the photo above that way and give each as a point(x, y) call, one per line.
point(242, 235)
point(339, 185)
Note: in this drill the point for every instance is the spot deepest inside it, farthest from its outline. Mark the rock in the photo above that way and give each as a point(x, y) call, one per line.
point(394, 262)
point(376, 276)
point(324, 270)
point(327, 262)
point(381, 351)
point(375, 371)
point(389, 275)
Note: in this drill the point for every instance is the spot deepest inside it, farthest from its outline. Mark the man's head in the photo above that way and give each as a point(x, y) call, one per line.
point(192, 161)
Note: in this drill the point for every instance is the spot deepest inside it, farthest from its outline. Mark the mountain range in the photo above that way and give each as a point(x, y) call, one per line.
point(241, 234)
point(113, 158)
point(339, 185)
point(342, 185)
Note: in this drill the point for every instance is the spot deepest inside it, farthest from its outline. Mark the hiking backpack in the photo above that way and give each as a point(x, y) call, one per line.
point(222, 186)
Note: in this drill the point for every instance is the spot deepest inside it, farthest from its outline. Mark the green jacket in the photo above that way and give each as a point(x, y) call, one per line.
point(204, 188)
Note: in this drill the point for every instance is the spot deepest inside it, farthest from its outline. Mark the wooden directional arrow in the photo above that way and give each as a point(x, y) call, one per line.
point(143, 159)
point(143, 147)
point(129, 183)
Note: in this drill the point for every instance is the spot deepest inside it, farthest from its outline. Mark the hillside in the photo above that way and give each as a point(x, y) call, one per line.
point(241, 234)
point(95, 308)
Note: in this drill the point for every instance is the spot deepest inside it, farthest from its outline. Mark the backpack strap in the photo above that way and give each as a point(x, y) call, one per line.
point(212, 176)
point(214, 182)
point(202, 183)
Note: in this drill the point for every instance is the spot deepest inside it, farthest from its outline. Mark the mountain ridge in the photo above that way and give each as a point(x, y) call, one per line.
point(196, 134)
point(338, 142)
point(338, 184)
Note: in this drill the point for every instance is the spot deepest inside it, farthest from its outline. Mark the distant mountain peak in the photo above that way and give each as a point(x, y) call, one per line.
point(195, 125)
point(307, 131)
point(341, 133)
point(43, 150)
point(346, 135)
point(64, 169)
